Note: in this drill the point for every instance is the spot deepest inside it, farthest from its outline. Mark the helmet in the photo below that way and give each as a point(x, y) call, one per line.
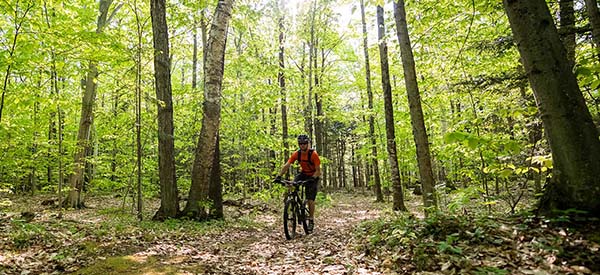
point(303, 139)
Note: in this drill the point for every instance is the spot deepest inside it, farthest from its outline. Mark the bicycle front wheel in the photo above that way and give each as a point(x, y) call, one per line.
point(302, 217)
point(289, 219)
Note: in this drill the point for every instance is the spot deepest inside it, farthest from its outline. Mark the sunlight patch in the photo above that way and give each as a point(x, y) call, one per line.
point(137, 258)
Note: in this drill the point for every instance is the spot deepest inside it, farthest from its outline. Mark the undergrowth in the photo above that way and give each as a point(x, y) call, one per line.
point(453, 244)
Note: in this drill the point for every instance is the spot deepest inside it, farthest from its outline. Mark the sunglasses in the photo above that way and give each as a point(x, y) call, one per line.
point(303, 143)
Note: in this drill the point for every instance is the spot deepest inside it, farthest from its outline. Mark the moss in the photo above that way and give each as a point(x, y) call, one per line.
point(131, 265)
point(116, 265)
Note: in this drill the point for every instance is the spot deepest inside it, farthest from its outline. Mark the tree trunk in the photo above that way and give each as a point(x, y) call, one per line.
point(372, 161)
point(216, 187)
point(389, 114)
point(416, 111)
point(198, 199)
point(85, 122)
point(138, 112)
point(567, 22)
point(571, 133)
point(195, 55)
point(169, 201)
point(281, 78)
point(594, 15)
point(52, 131)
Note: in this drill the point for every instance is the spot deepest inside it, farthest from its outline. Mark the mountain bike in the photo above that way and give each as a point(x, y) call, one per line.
point(294, 209)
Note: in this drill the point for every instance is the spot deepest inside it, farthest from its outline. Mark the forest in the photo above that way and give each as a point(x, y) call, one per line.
point(454, 136)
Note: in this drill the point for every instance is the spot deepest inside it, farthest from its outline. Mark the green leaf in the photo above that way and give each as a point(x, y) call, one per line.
point(595, 84)
point(583, 71)
point(473, 142)
point(455, 137)
point(506, 173)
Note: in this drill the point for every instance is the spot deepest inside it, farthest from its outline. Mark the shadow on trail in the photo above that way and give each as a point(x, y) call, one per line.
point(262, 250)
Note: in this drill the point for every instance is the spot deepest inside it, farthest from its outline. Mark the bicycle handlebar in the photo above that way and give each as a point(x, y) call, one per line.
point(291, 182)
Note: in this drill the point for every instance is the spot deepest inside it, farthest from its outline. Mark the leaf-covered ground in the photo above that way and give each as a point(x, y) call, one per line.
point(101, 240)
point(352, 236)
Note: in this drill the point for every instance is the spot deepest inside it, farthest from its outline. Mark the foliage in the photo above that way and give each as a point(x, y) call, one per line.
point(457, 244)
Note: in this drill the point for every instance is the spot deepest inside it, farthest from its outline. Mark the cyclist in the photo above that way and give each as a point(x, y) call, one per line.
point(310, 168)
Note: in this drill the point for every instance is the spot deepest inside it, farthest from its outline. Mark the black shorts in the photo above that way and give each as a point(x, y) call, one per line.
point(310, 189)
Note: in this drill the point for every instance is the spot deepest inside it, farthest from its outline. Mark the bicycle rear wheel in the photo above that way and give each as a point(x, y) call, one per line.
point(289, 219)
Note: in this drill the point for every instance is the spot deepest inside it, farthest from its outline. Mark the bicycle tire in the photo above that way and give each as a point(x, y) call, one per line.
point(302, 216)
point(289, 219)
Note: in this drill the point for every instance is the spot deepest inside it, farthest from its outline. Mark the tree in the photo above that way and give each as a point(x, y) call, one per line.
point(169, 200)
point(373, 161)
point(18, 23)
point(198, 199)
point(567, 22)
point(594, 15)
point(570, 130)
point(281, 78)
point(416, 111)
point(86, 120)
point(389, 113)
point(138, 109)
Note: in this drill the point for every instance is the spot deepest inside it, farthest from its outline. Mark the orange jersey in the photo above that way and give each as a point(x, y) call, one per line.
point(306, 167)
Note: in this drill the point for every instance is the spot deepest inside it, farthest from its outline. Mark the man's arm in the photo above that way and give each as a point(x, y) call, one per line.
point(317, 171)
point(284, 169)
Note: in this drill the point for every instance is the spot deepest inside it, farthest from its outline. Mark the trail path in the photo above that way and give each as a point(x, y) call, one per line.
point(266, 251)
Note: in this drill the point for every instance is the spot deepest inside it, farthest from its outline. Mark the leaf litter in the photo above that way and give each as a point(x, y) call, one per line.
point(353, 235)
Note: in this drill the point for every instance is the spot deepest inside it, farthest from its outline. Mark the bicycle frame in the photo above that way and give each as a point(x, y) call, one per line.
point(295, 210)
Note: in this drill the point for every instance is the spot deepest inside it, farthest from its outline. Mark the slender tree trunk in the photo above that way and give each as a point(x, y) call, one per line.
point(198, 199)
point(281, 78)
point(416, 111)
point(571, 132)
point(195, 55)
point(355, 165)
point(169, 196)
point(594, 15)
point(138, 111)
point(85, 122)
point(18, 21)
point(52, 131)
point(308, 116)
point(372, 161)
point(216, 188)
point(567, 22)
point(389, 114)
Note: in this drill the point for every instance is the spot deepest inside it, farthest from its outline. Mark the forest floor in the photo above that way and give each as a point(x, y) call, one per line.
point(352, 235)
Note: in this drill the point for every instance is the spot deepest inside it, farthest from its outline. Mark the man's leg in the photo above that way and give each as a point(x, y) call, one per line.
point(311, 209)
point(311, 194)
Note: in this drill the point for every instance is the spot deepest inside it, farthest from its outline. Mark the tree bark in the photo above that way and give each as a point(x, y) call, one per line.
point(372, 161)
point(281, 78)
point(594, 15)
point(195, 55)
point(169, 200)
point(198, 199)
point(389, 114)
point(138, 111)
point(216, 187)
point(416, 111)
point(567, 22)
point(571, 132)
point(85, 122)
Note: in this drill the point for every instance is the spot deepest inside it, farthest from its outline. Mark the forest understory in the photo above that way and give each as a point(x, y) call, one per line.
point(353, 235)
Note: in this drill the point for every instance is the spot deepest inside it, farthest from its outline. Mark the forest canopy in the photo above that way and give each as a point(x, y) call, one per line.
point(486, 135)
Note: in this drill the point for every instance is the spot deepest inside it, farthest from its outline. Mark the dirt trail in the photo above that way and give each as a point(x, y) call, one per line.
point(87, 242)
point(266, 251)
